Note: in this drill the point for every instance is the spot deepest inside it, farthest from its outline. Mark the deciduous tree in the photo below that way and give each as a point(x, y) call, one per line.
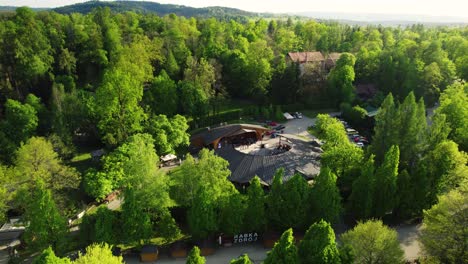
point(98, 254)
point(372, 242)
point(444, 231)
point(46, 225)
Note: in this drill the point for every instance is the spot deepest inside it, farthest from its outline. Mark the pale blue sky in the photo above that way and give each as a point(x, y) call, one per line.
point(457, 8)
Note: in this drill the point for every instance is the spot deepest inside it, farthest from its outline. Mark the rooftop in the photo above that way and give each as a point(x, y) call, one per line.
point(299, 159)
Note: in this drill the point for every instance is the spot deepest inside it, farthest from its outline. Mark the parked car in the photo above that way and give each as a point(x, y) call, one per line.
point(360, 144)
point(279, 127)
point(270, 132)
point(298, 115)
point(272, 123)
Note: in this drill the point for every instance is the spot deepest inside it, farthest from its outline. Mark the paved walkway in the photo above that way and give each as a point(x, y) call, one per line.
point(407, 235)
point(257, 253)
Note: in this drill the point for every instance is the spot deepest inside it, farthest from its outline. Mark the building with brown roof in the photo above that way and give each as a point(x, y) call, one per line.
point(211, 137)
point(308, 56)
point(322, 62)
point(331, 59)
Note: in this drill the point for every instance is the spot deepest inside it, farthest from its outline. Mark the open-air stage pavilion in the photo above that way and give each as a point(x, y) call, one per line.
point(251, 152)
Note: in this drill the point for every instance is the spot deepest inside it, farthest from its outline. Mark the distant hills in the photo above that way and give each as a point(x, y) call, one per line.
point(226, 12)
point(153, 7)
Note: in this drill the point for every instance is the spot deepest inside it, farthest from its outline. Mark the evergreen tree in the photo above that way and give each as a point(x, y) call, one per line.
point(318, 245)
point(412, 132)
point(295, 193)
point(255, 215)
point(274, 200)
point(386, 183)
point(194, 257)
point(244, 259)
point(232, 214)
point(385, 130)
point(325, 197)
point(363, 191)
point(287, 202)
point(405, 196)
point(171, 66)
point(284, 251)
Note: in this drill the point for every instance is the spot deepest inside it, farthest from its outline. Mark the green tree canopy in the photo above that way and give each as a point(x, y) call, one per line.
point(361, 198)
point(210, 170)
point(386, 183)
point(372, 242)
point(255, 214)
point(48, 257)
point(169, 134)
point(117, 106)
point(325, 197)
point(162, 95)
point(36, 159)
point(46, 225)
point(340, 79)
point(444, 232)
point(318, 245)
point(202, 216)
point(244, 259)
point(287, 202)
point(194, 257)
point(453, 105)
point(232, 213)
point(284, 251)
point(98, 254)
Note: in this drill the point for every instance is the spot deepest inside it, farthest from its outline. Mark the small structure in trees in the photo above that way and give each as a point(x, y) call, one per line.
point(149, 253)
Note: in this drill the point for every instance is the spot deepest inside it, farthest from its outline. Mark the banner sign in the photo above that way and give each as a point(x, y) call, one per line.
point(245, 238)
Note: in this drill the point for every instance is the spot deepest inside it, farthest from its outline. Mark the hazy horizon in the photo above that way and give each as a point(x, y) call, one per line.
point(432, 8)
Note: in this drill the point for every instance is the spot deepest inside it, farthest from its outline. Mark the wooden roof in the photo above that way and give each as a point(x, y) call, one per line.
point(310, 56)
point(213, 134)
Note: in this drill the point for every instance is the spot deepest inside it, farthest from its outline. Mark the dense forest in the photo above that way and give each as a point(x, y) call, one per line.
point(137, 84)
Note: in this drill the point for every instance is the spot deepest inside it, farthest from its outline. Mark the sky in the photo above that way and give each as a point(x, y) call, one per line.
point(454, 8)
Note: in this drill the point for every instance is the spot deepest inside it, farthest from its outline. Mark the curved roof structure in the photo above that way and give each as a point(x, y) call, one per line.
point(209, 136)
point(300, 159)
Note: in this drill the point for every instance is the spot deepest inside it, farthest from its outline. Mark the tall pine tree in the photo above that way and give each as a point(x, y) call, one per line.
point(318, 245)
point(255, 215)
point(325, 197)
point(284, 251)
point(363, 191)
point(386, 183)
point(385, 130)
